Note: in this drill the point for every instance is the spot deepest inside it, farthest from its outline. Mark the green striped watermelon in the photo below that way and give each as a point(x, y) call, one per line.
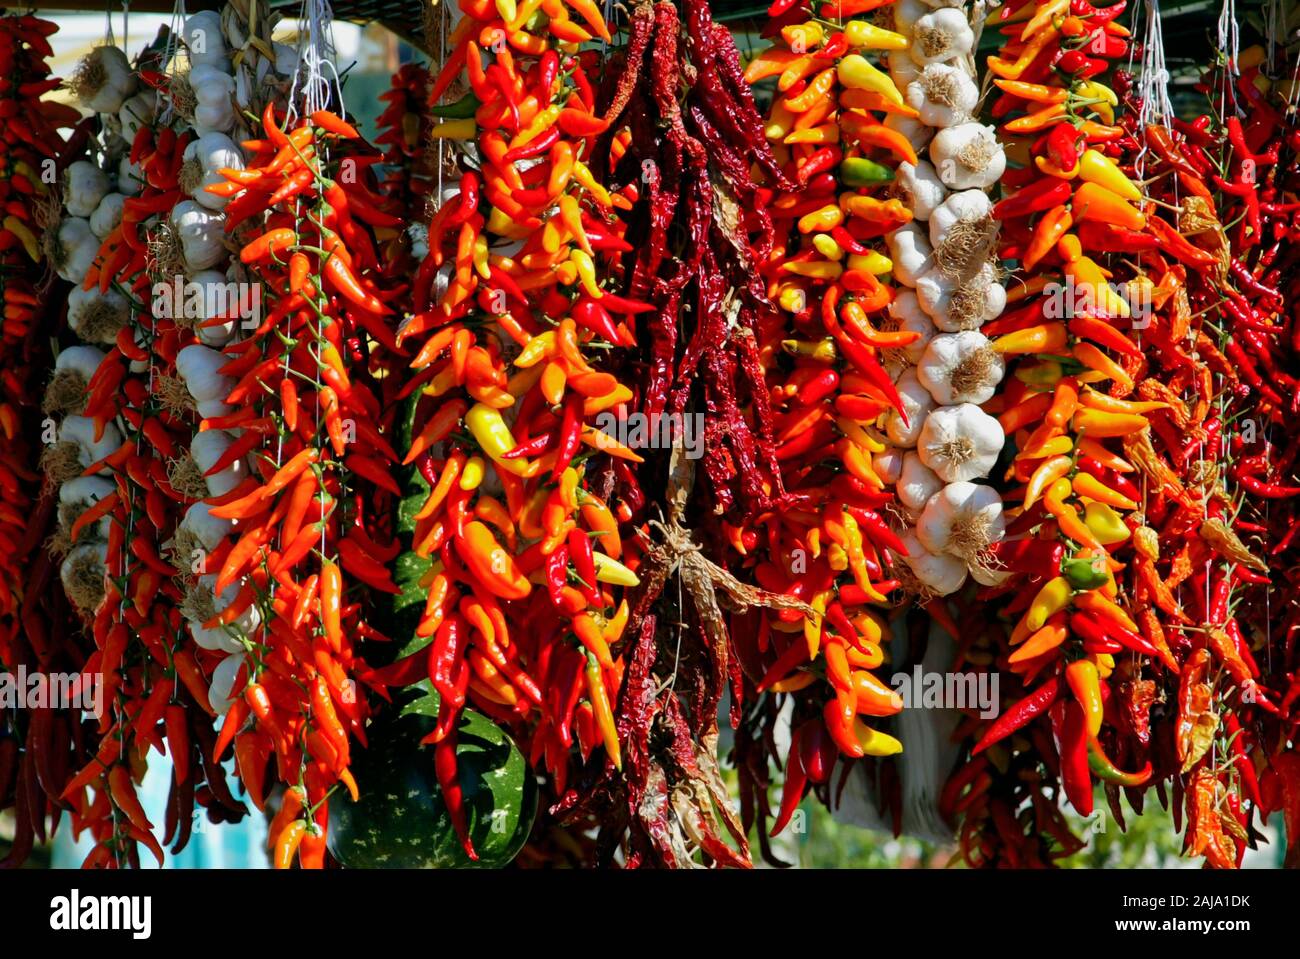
point(400, 820)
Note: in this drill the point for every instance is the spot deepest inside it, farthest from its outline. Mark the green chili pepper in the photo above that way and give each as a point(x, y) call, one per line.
point(857, 171)
point(462, 109)
point(1107, 771)
point(1085, 572)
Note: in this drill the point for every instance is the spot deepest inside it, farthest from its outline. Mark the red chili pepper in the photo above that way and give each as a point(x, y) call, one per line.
point(569, 436)
point(444, 760)
point(1021, 714)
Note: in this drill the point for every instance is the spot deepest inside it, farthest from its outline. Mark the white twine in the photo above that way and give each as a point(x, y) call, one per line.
point(1273, 27)
point(171, 55)
point(1153, 82)
point(1293, 97)
point(1229, 35)
point(316, 54)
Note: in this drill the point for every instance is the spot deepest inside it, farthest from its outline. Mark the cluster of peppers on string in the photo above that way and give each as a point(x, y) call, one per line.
point(511, 317)
point(1233, 161)
point(38, 628)
point(824, 357)
point(686, 134)
point(410, 175)
point(117, 514)
point(311, 419)
point(1092, 647)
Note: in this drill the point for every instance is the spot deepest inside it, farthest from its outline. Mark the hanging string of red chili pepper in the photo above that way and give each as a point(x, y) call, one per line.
point(405, 123)
point(323, 468)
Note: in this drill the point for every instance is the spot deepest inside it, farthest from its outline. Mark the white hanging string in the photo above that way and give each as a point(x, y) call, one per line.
point(1229, 35)
point(1153, 79)
point(444, 18)
point(1294, 97)
point(318, 74)
point(171, 55)
point(1273, 27)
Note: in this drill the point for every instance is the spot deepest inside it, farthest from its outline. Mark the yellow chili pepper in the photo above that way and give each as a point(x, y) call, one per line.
point(1100, 424)
point(1047, 473)
point(858, 463)
point(802, 37)
point(857, 558)
point(1081, 676)
point(819, 221)
point(818, 91)
point(858, 435)
point(493, 435)
point(1088, 276)
point(1105, 664)
point(792, 299)
point(1105, 524)
point(874, 263)
point(508, 9)
point(868, 36)
point(611, 571)
point(1051, 598)
point(1096, 167)
point(604, 715)
point(1048, 168)
point(586, 273)
point(826, 133)
point(465, 129)
point(472, 473)
point(820, 350)
point(582, 173)
point(1105, 98)
point(25, 236)
point(876, 211)
point(540, 347)
point(874, 742)
point(1044, 338)
point(818, 270)
point(1067, 518)
point(857, 72)
point(825, 244)
point(1056, 446)
point(1087, 485)
point(812, 625)
point(779, 123)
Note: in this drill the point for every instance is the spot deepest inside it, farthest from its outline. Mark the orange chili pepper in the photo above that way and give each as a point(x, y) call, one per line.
point(331, 601)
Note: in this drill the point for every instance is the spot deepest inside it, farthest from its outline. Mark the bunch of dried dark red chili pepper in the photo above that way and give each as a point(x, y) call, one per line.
point(39, 629)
